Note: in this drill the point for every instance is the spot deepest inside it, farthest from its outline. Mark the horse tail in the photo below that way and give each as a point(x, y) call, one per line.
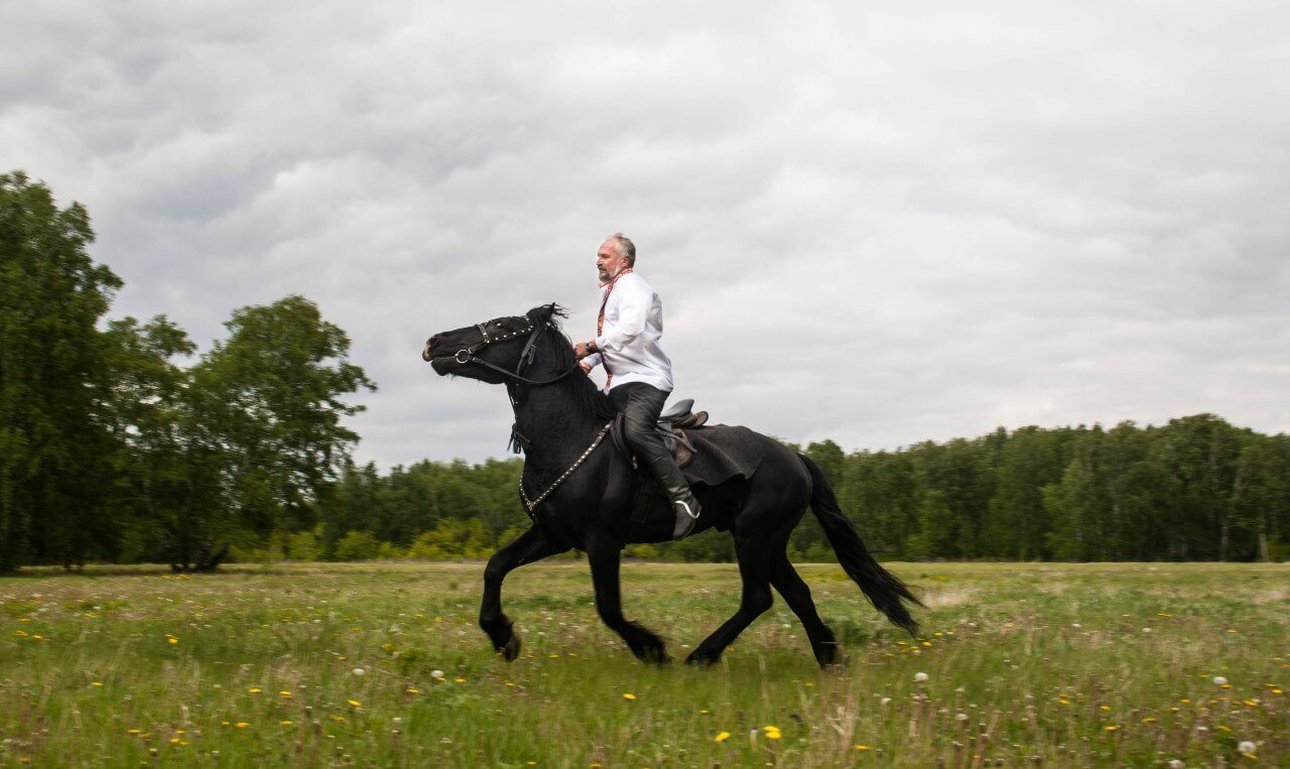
point(883, 589)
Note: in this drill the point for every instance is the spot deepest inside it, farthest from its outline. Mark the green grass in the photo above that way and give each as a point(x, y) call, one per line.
point(1026, 665)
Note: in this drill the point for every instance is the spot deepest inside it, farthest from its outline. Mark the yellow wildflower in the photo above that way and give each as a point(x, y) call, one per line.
point(722, 736)
point(354, 703)
point(629, 696)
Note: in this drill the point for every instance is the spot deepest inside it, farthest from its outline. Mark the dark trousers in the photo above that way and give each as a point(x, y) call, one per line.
point(641, 404)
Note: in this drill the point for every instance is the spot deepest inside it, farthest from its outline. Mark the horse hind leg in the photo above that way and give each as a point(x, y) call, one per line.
point(754, 601)
point(797, 595)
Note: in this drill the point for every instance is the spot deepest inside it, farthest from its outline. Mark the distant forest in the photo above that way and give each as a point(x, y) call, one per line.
point(118, 446)
point(1195, 489)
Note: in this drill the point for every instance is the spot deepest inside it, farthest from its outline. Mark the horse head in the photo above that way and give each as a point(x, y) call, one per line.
point(493, 351)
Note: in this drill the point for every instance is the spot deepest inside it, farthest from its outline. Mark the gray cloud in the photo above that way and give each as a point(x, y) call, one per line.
point(877, 225)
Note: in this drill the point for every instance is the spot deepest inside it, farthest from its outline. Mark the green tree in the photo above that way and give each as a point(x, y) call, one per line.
point(167, 496)
point(53, 448)
point(272, 394)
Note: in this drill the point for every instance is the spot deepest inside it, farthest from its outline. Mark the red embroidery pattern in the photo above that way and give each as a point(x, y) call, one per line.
point(600, 321)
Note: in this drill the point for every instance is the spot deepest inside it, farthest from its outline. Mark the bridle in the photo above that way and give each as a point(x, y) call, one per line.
point(467, 355)
point(518, 441)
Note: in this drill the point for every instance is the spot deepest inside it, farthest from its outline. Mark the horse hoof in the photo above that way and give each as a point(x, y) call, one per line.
point(701, 660)
point(654, 655)
point(511, 650)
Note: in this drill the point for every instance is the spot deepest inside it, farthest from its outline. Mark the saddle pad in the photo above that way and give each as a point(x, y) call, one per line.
point(722, 452)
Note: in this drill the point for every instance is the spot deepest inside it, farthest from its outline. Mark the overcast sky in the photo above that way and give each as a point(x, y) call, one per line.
point(875, 223)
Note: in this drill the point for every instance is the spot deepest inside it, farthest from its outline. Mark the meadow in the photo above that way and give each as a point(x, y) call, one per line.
point(382, 665)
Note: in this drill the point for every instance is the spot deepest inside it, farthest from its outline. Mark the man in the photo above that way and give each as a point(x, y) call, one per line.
point(638, 375)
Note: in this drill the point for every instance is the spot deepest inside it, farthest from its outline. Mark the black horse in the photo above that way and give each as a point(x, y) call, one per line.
point(582, 493)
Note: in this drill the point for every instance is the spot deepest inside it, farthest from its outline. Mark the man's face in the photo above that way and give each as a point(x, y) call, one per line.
point(608, 262)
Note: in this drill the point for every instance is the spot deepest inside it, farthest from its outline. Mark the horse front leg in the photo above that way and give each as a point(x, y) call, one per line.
point(606, 559)
point(532, 545)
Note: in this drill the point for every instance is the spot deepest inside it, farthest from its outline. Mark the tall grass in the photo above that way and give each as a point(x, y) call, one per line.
point(382, 665)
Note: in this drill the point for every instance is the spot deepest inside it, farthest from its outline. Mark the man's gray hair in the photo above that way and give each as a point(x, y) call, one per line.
point(626, 248)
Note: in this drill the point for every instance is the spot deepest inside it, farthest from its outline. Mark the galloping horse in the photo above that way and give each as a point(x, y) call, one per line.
point(582, 494)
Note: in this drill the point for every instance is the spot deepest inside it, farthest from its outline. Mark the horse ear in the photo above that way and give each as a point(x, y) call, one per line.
point(544, 313)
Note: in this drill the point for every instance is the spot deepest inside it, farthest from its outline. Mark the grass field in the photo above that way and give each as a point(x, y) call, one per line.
point(382, 665)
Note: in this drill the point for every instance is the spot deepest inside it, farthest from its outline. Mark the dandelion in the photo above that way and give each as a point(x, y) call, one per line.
point(629, 696)
point(1177, 764)
point(920, 678)
point(1245, 746)
point(1111, 728)
point(359, 672)
point(96, 683)
point(772, 732)
point(884, 701)
point(354, 703)
point(284, 693)
point(241, 724)
point(722, 736)
point(862, 747)
point(1220, 681)
point(286, 722)
point(459, 680)
point(436, 674)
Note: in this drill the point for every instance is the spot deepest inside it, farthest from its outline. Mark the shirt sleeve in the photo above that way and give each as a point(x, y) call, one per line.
point(632, 301)
point(591, 361)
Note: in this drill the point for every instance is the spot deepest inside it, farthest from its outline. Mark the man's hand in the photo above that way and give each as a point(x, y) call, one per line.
point(583, 349)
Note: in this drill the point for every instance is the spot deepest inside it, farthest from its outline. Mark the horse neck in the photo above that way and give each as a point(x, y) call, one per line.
point(557, 427)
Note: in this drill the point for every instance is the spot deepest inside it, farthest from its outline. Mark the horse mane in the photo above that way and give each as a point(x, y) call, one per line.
point(588, 398)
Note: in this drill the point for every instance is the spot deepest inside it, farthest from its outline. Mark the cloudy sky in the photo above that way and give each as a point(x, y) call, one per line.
point(875, 223)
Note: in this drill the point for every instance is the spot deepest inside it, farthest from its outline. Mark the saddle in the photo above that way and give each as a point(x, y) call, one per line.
point(672, 423)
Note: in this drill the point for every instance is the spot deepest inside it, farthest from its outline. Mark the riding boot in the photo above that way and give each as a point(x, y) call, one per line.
point(684, 504)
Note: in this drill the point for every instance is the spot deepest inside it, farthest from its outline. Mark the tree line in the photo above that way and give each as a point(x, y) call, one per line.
point(119, 444)
point(1197, 488)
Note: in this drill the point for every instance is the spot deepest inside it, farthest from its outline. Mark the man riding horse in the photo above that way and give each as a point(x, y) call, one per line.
point(638, 374)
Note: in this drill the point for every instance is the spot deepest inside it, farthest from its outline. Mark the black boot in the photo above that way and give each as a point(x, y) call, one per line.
point(684, 504)
point(687, 510)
